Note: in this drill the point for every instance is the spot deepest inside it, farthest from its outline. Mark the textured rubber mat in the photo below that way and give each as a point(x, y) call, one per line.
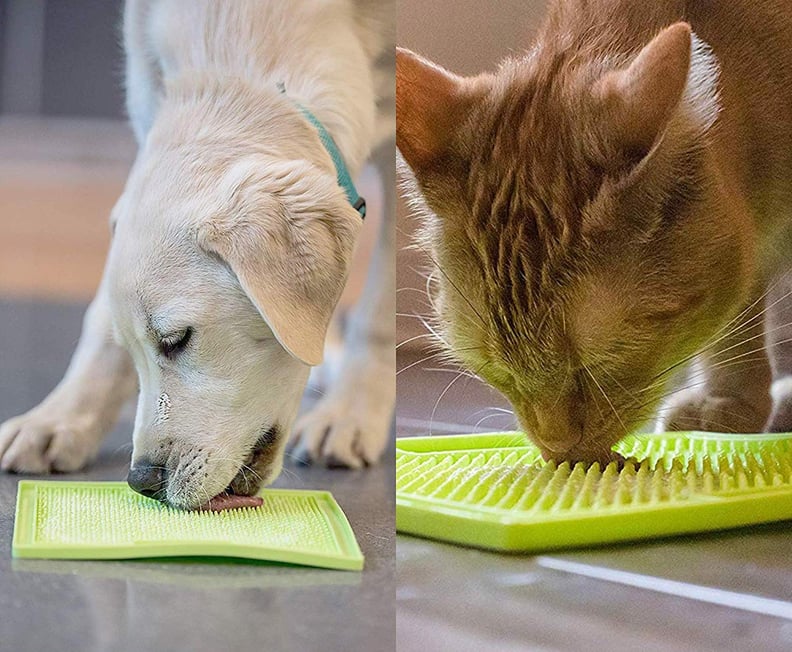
point(107, 520)
point(494, 491)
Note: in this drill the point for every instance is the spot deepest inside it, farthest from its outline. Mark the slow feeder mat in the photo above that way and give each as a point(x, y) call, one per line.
point(107, 520)
point(494, 490)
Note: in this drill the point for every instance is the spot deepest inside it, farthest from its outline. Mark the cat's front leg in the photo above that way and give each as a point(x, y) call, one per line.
point(779, 344)
point(731, 390)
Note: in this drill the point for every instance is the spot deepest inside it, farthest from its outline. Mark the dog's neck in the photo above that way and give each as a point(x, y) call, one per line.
point(342, 114)
point(283, 43)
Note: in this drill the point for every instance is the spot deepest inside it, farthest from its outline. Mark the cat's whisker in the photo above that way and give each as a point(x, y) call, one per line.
point(291, 474)
point(694, 383)
point(731, 328)
point(438, 354)
point(605, 396)
point(440, 398)
point(491, 412)
point(410, 315)
point(748, 308)
point(703, 373)
point(414, 338)
point(743, 327)
point(453, 285)
point(465, 372)
point(737, 361)
point(425, 319)
point(409, 289)
point(763, 334)
point(733, 325)
point(718, 425)
point(420, 361)
point(430, 278)
point(502, 410)
point(630, 394)
point(483, 419)
point(586, 386)
point(433, 331)
point(423, 274)
point(741, 355)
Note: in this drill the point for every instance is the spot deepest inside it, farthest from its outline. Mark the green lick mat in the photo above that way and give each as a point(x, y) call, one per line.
point(494, 491)
point(107, 520)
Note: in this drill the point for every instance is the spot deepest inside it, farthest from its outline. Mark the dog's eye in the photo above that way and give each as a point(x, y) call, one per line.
point(173, 344)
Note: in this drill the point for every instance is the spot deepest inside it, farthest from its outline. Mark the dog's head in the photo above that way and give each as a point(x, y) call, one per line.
point(223, 276)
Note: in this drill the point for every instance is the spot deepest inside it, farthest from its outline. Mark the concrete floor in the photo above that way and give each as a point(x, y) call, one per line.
point(708, 592)
point(114, 606)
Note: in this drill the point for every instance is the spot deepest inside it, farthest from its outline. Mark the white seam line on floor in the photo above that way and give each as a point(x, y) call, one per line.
point(422, 424)
point(743, 601)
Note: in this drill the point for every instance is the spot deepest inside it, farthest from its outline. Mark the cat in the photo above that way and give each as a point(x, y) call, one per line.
point(612, 207)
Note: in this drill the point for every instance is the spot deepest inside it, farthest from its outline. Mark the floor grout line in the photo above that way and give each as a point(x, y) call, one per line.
point(443, 426)
point(721, 597)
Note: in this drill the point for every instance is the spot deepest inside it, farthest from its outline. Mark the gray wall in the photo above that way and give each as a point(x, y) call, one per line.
point(61, 58)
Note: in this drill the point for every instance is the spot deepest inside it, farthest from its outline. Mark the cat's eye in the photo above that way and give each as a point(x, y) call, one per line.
point(171, 345)
point(677, 309)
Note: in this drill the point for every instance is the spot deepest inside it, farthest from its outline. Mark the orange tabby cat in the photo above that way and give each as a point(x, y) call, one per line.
point(609, 206)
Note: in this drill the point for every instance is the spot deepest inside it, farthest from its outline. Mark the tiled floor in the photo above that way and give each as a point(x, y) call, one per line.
point(708, 592)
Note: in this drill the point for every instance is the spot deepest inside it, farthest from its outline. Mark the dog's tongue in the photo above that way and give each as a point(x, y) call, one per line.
point(225, 501)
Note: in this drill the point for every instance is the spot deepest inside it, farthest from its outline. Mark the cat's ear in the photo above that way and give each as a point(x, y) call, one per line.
point(430, 103)
point(640, 100)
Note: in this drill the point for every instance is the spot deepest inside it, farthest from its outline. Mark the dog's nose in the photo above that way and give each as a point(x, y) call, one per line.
point(148, 479)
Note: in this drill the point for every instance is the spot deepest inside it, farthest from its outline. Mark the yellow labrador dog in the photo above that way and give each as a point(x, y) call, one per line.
point(231, 245)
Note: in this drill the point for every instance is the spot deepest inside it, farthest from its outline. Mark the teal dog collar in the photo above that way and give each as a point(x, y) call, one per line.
point(342, 173)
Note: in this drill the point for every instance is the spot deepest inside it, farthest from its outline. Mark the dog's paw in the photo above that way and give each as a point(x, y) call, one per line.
point(45, 440)
point(698, 410)
point(349, 427)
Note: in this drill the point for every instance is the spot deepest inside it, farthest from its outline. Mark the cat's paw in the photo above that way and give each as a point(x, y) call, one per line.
point(781, 417)
point(45, 440)
point(697, 410)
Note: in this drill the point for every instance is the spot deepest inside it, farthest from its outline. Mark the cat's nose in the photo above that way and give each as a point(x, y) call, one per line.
point(148, 479)
point(558, 425)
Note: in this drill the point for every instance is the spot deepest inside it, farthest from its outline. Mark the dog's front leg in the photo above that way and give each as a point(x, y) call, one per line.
point(349, 426)
point(64, 431)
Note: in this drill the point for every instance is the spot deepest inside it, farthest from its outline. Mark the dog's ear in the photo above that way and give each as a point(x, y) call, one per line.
point(288, 233)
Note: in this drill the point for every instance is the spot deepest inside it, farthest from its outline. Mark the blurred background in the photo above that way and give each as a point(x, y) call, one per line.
point(64, 146)
point(65, 150)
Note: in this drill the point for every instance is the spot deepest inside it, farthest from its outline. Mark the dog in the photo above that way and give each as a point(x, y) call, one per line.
point(232, 242)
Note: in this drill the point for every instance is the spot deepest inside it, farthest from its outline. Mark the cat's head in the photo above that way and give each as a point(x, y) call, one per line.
point(582, 239)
